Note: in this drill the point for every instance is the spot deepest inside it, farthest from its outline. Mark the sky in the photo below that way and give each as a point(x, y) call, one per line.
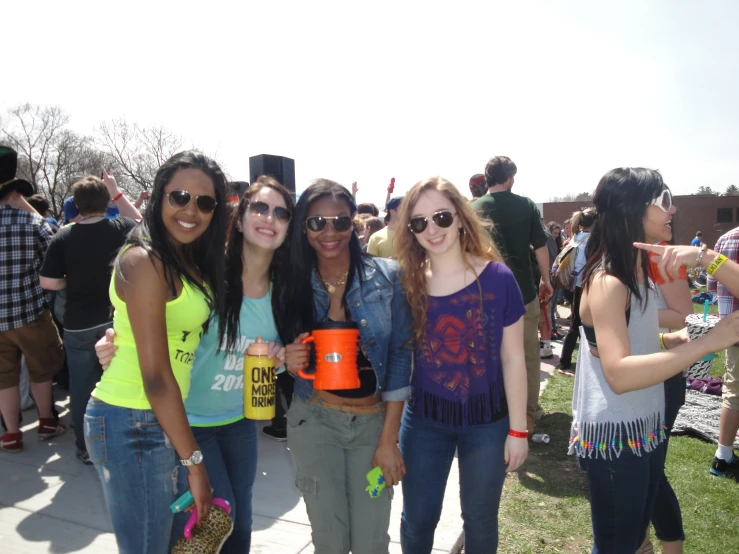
point(368, 91)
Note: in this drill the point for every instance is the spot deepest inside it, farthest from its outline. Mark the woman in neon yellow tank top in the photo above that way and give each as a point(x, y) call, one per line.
point(167, 281)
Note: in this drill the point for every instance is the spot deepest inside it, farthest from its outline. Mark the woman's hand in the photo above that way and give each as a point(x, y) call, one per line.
point(110, 183)
point(297, 355)
point(515, 452)
point(388, 457)
point(676, 338)
point(726, 331)
point(200, 488)
point(105, 349)
point(671, 258)
point(277, 353)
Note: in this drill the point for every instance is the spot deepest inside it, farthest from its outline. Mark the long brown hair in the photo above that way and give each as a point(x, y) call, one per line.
point(475, 239)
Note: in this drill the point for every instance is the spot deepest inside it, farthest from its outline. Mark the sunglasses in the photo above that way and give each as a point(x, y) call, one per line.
point(261, 209)
point(317, 223)
point(663, 201)
point(442, 218)
point(181, 199)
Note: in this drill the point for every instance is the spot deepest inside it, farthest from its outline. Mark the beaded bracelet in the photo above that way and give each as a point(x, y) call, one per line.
point(715, 264)
point(518, 434)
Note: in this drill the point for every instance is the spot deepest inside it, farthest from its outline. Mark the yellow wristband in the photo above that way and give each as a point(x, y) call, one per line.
point(662, 341)
point(715, 264)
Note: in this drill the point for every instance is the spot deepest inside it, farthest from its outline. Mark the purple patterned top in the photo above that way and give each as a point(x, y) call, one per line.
point(458, 376)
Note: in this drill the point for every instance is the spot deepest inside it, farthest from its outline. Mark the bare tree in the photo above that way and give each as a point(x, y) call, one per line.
point(50, 156)
point(137, 152)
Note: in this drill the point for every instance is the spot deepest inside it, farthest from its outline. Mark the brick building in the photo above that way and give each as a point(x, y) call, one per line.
point(714, 215)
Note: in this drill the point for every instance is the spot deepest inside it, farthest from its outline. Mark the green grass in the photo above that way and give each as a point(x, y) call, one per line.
point(545, 508)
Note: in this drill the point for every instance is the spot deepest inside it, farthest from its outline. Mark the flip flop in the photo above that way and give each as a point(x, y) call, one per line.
point(567, 372)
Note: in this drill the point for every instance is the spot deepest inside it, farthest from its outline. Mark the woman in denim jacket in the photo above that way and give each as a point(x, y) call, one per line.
point(336, 437)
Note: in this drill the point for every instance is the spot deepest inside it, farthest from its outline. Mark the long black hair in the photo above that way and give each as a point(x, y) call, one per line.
point(235, 259)
point(205, 254)
point(296, 313)
point(621, 201)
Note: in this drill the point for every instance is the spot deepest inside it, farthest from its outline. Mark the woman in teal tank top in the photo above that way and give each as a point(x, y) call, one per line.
point(215, 404)
point(168, 280)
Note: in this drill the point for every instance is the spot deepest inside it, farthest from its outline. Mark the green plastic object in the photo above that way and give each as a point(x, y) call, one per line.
point(376, 481)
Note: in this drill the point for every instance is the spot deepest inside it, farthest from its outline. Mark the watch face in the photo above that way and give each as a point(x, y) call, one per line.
point(197, 457)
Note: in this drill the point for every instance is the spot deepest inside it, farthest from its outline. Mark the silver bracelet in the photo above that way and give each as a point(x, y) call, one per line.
point(700, 257)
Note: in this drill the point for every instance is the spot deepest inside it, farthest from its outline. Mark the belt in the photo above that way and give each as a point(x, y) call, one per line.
point(347, 409)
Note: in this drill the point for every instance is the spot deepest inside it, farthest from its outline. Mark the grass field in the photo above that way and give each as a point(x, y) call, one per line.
point(545, 507)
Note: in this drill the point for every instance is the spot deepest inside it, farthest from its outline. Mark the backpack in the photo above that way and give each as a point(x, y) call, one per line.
point(563, 275)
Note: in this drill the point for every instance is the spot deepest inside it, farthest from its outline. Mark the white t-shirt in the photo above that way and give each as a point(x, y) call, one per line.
point(580, 258)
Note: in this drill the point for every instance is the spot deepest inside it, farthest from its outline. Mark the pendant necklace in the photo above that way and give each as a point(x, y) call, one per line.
point(331, 287)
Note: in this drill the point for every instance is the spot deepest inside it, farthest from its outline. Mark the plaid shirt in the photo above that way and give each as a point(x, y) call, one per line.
point(24, 238)
point(728, 245)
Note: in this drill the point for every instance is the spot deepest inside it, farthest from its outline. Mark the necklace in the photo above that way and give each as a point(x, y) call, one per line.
point(91, 217)
point(331, 287)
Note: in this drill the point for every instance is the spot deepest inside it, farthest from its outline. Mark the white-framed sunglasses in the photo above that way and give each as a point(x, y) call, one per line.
point(663, 201)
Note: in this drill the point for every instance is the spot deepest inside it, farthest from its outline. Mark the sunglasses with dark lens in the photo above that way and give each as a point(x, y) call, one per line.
point(442, 218)
point(262, 210)
point(663, 201)
point(317, 223)
point(181, 199)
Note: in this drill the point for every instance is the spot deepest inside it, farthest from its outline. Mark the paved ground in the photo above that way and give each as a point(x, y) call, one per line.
point(52, 503)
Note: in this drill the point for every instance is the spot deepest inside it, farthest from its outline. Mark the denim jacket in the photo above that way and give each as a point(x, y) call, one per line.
point(379, 306)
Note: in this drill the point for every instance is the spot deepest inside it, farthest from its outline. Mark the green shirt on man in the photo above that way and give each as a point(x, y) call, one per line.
point(517, 226)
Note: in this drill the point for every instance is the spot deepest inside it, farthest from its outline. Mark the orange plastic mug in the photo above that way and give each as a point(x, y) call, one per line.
point(336, 356)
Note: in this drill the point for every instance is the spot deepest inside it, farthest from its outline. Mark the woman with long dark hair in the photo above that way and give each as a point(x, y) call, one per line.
point(336, 437)
point(167, 281)
point(618, 404)
point(469, 378)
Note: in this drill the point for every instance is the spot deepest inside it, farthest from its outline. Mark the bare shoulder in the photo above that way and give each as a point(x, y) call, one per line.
point(606, 289)
point(136, 264)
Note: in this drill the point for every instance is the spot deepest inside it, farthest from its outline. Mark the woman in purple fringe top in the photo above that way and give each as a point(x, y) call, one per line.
point(469, 379)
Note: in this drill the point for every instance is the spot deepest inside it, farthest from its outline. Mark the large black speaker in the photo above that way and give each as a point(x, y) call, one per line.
point(281, 168)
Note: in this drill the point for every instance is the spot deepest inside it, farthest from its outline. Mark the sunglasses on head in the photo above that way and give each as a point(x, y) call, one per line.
point(663, 201)
point(262, 209)
point(181, 199)
point(317, 223)
point(442, 218)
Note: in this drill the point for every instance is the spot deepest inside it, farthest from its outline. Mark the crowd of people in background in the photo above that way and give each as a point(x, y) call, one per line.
point(150, 311)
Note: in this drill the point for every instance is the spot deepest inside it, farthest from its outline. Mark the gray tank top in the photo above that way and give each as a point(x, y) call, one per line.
point(604, 423)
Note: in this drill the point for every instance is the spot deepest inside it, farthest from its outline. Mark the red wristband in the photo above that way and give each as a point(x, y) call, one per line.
point(518, 434)
point(117, 197)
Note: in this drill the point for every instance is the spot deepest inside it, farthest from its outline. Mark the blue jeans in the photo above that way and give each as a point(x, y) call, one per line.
point(428, 451)
point(230, 457)
point(84, 374)
point(622, 494)
point(667, 519)
point(138, 469)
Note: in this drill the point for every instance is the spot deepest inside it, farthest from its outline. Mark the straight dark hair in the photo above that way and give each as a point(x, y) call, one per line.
point(621, 201)
point(235, 259)
point(206, 254)
point(296, 313)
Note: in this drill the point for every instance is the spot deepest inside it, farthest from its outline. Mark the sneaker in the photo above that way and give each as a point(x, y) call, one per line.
point(556, 335)
point(279, 435)
point(48, 428)
point(720, 467)
point(546, 352)
point(12, 442)
point(84, 457)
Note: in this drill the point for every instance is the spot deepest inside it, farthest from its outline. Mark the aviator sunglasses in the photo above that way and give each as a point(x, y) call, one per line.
point(261, 209)
point(317, 223)
point(663, 201)
point(442, 218)
point(181, 199)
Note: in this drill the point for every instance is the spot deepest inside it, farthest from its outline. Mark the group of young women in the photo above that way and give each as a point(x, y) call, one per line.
point(191, 290)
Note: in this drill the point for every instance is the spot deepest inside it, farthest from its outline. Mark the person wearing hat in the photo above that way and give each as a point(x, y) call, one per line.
point(26, 326)
point(381, 243)
point(478, 187)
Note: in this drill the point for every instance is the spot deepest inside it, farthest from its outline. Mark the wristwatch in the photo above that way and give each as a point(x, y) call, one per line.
point(195, 458)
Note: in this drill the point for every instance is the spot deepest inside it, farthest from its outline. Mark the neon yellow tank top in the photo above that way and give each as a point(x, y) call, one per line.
point(122, 384)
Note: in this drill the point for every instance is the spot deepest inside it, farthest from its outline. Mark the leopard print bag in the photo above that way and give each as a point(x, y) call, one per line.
point(210, 536)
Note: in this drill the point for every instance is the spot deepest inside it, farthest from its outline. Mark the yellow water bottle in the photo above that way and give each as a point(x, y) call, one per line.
point(260, 382)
